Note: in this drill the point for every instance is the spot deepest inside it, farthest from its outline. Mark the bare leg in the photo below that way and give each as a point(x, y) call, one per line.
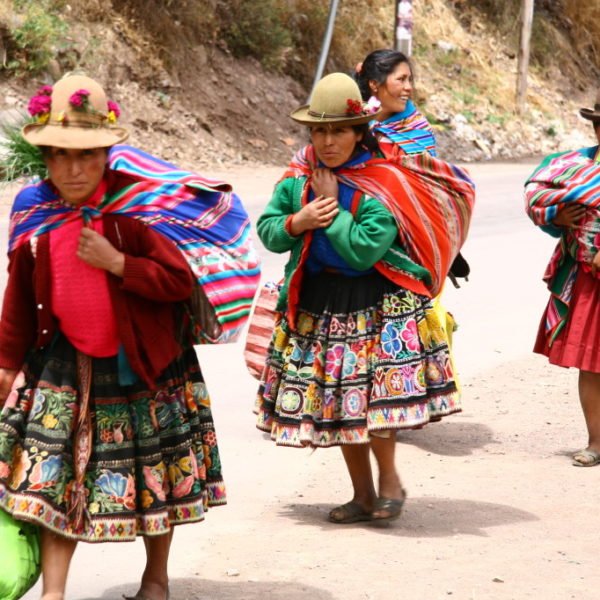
point(56, 552)
point(589, 396)
point(359, 467)
point(390, 486)
point(155, 579)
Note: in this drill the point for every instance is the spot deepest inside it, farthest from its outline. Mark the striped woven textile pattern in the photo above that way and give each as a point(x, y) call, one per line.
point(260, 329)
point(409, 130)
point(562, 179)
point(204, 219)
point(430, 199)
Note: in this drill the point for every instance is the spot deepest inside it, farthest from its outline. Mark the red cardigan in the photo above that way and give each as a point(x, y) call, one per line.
point(156, 277)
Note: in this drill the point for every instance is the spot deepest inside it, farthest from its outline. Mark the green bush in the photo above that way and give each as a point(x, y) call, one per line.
point(38, 36)
point(256, 29)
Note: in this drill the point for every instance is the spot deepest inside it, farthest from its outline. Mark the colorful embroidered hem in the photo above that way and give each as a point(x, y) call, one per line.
point(153, 460)
point(340, 376)
point(105, 529)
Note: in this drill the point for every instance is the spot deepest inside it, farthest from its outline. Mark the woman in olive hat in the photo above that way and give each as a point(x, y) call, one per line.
point(109, 435)
point(563, 198)
point(352, 358)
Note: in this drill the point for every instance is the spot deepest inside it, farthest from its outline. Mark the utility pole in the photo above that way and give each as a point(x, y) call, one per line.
point(326, 43)
point(403, 27)
point(523, 63)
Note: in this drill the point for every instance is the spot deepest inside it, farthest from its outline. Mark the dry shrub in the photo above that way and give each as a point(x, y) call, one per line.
point(306, 21)
point(287, 35)
point(94, 11)
point(255, 29)
point(175, 25)
point(362, 26)
point(585, 19)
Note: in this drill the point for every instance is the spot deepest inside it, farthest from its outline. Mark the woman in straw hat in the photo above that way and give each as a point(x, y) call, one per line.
point(563, 199)
point(352, 358)
point(109, 435)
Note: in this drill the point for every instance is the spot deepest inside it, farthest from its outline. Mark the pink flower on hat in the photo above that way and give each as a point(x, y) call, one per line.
point(79, 100)
point(39, 105)
point(113, 111)
point(114, 107)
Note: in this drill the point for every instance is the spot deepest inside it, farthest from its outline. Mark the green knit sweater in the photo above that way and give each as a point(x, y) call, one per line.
point(361, 239)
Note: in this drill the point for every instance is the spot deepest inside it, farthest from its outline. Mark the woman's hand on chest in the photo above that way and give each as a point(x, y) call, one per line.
point(97, 251)
point(314, 215)
point(324, 183)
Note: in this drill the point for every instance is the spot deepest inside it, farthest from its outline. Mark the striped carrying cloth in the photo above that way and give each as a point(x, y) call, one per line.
point(260, 328)
point(204, 219)
point(562, 179)
point(431, 201)
point(408, 130)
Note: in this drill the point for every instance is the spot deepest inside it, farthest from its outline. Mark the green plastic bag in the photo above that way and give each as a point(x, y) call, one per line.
point(19, 556)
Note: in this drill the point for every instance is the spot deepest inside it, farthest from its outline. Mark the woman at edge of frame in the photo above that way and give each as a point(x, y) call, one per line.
point(563, 198)
point(110, 435)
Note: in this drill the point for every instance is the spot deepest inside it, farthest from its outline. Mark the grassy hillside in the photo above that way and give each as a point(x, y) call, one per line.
point(214, 66)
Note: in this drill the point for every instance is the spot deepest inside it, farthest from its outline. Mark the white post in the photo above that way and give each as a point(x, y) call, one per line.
point(404, 27)
point(523, 62)
point(326, 43)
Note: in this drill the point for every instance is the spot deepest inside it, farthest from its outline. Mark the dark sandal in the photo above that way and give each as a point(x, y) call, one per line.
point(392, 506)
point(351, 513)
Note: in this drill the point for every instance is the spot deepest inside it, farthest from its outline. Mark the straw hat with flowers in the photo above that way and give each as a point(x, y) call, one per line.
point(73, 114)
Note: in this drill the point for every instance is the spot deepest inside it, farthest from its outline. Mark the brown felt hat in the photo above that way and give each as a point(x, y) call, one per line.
point(335, 99)
point(588, 113)
point(79, 117)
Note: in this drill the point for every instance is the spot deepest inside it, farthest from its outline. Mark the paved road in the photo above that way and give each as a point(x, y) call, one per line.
point(271, 542)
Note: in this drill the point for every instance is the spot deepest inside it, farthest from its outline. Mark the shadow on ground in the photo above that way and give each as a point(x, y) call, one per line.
point(448, 438)
point(422, 517)
point(192, 588)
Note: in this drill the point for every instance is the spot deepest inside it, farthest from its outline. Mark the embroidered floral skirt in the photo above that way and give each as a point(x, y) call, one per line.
point(150, 460)
point(366, 356)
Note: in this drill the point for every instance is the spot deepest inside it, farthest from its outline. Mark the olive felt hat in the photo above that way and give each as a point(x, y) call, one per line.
point(335, 99)
point(588, 113)
point(73, 114)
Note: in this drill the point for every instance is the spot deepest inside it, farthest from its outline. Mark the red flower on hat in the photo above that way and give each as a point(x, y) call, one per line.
point(354, 107)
